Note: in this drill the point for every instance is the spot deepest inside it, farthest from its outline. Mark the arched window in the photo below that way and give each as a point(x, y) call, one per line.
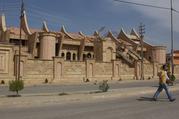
point(84, 56)
point(150, 59)
point(74, 56)
point(89, 55)
point(62, 54)
point(68, 56)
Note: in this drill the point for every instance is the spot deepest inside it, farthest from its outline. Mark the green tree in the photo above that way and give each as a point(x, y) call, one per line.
point(16, 86)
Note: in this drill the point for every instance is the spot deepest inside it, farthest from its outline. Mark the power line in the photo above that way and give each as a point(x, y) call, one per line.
point(44, 14)
point(141, 4)
point(175, 11)
point(147, 5)
point(41, 18)
point(30, 6)
point(36, 13)
point(40, 10)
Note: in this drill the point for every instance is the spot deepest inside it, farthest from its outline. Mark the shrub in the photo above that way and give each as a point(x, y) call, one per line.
point(172, 78)
point(104, 86)
point(16, 86)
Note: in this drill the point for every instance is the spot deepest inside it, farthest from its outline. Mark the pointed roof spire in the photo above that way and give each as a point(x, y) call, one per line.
point(23, 18)
point(133, 32)
point(96, 33)
point(122, 32)
point(63, 30)
point(109, 34)
point(81, 33)
point(44, 27)
point(3, 23)
point(24, 24)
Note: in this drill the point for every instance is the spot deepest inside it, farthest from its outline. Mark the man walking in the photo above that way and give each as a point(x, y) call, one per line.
point(162, 84)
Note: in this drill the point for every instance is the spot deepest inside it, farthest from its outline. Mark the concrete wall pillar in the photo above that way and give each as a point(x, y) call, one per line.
point(116, 69)
point(32, 43)
point(137, 70)
point(90, 73)
point(155, 70)
point(71, 56)
point(81, 49)
point(58, 64)
point(76, 57)
point(64, 57)
point(22, 63)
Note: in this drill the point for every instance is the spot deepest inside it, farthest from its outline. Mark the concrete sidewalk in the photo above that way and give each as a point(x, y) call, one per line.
point(42, 99)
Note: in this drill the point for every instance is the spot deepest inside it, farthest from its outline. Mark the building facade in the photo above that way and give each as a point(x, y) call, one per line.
point(175, 57)
point(75, 56)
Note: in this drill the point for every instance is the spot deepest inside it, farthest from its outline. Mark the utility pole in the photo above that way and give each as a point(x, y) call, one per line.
point(20, 40)
point(172, 58)
point(141, 32)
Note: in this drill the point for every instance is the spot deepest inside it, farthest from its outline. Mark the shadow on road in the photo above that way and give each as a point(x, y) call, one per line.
point(13, 95)
point(145, 99)
point(151, 99)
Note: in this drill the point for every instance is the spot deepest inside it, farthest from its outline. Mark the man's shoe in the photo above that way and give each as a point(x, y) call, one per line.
point(172, 100)
point(154, 99)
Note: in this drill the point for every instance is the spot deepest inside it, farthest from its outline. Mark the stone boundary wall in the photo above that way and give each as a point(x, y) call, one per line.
point(37, 69)
point(57, 69)
point(92, 70)
point(74, 69)
point(126, 72)
point(149, 70)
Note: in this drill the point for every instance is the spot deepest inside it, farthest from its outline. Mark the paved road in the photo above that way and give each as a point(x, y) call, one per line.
point(46, 88)
point(136, 107)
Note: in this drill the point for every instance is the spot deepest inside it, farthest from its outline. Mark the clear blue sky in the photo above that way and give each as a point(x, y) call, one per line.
point(89, 15)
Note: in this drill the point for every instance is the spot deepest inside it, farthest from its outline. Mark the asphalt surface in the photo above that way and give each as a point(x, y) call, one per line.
point(135, 107)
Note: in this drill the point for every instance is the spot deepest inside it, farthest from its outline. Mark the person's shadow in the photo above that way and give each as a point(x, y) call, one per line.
point(145, 99)
point(151, 99)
